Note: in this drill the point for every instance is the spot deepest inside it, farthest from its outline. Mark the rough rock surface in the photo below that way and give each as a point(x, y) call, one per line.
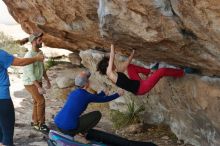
point(189, 105)
point(180, 32)
point(64, 82)
point(25, 136)
point(75, 59)
point(63, 76)
point(175, 31)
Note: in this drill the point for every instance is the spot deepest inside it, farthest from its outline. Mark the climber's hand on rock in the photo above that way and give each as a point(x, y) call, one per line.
point(121, 92)
point(106, 91)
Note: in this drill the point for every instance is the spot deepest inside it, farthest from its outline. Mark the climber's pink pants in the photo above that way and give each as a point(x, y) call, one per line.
point(150, 82)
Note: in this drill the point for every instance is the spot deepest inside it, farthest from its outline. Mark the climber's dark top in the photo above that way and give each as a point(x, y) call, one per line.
point(125, 83)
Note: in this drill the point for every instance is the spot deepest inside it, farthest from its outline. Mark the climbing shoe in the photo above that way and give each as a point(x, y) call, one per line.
point(155, 67)
point(189, 70)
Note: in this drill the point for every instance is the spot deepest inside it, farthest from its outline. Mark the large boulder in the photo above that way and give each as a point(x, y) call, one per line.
point(189, 105)
point(75, 59)
point(62, 80)
point(182, 32)
point(179, 32)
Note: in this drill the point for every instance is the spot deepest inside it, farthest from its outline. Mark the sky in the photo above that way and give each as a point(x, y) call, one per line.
point(5, 17)
point(8, 25)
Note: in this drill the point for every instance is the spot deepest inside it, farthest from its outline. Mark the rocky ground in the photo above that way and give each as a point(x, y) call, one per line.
point(26, 136)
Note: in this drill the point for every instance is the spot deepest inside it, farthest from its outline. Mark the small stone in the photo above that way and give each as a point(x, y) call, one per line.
point(165, 138)
point(180, 142)
point(134, 129)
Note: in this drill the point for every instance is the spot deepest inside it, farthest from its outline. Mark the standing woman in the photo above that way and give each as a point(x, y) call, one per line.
point(32, 79)
point(7, 113)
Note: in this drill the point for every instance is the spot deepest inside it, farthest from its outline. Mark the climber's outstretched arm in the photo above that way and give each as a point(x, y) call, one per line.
point(111, 60)
point(125, 64)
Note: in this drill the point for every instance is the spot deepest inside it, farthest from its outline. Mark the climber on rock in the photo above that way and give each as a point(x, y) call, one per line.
point(134, 83)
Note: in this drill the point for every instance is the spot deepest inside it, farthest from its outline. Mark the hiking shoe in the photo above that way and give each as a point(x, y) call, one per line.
point(35, 126)
point(40, 127)
point(43, 128)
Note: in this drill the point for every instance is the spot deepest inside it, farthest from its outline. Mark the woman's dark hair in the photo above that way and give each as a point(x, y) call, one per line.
point(102, 65)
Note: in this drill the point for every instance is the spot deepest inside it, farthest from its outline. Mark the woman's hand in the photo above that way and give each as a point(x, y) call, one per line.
point(111, 61)
point(121, 92)
point(112, 53)
point(132, 54)
point(112, 46)
point(106, 91)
